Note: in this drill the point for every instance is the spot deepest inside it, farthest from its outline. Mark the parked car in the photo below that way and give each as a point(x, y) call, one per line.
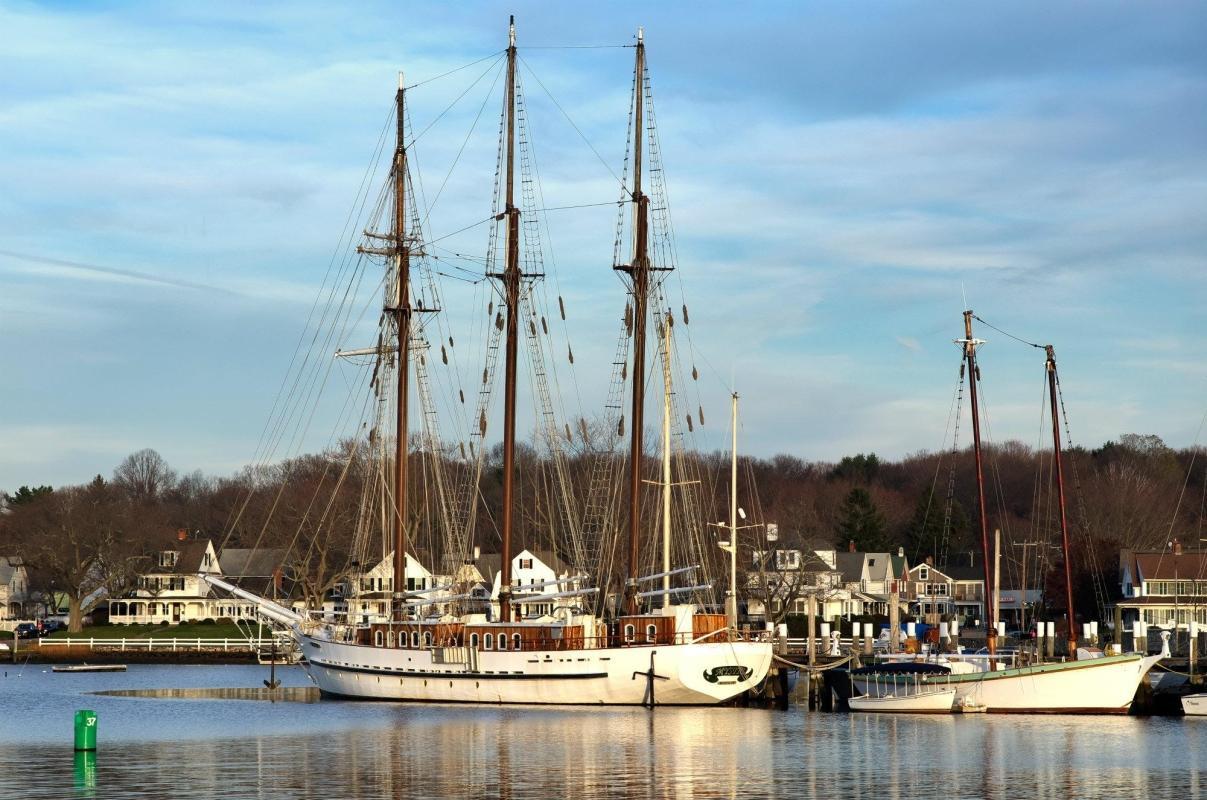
point(51, 625)
point(28, 630)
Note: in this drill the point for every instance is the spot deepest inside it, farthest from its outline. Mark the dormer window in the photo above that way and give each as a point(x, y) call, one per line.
point(167, 558)
point(871, 562)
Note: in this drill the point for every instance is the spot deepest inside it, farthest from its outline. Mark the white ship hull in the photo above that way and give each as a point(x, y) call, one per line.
point(1104, 685)
point(1195, 705)
point(931, 701)
point(699, 673)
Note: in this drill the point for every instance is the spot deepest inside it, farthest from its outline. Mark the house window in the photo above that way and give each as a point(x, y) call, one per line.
point(377, 638)
point(651, 632)
point(630, 632)
point(515, 641)
point(525, 563)
point(490, 641)
point(920, 588)
point(473, 640)
point(167, 558)
point(924, 574)
point(871, 562)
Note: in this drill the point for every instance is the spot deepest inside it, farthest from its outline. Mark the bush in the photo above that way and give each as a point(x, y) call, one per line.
point(206, 621)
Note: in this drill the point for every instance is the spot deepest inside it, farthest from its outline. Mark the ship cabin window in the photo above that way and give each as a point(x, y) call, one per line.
point(515, 641)
point(377, 638)
point(502, 641)
point(473, 640)
point(490, 641)
point(414, 638)
point(651, 632)
point(427, 638)
point(630, 632)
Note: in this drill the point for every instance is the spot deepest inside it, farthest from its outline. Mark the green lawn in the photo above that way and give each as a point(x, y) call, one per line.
point(182, 631)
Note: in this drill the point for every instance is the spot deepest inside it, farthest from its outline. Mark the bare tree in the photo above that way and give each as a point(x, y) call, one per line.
point(144, 475)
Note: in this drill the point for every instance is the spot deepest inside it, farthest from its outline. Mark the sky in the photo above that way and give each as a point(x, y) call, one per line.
point(844, 179)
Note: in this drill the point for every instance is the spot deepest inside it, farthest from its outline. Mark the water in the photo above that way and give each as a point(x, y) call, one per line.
point(206, 747)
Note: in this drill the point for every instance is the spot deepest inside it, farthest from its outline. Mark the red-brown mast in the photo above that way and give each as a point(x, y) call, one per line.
point(1060, 493)
point(402, 316)
point(639, 271)
point(970, 345)
point(511, 299)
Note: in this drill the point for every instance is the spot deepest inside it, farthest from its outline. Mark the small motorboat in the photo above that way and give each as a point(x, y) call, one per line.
point(925, 701)
point(1194, 705)
point(88, 668)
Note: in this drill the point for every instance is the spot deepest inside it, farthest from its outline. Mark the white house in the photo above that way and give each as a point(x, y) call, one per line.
point(14, 588)
point(171, 591)
point(365, 596)
point(535, 576)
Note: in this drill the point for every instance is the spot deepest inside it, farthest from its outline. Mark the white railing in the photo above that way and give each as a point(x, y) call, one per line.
point(172, 644)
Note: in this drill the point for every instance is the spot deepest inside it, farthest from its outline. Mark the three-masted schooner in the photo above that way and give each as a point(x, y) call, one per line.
point(674, 653)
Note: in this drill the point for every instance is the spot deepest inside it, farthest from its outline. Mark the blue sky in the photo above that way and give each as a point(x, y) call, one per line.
point(174, 178)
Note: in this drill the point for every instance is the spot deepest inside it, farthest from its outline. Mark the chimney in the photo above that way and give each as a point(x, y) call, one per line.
point(1177, 547)
point(930, 561)
point(900, 552)
point(851, 545)
point(182, 534)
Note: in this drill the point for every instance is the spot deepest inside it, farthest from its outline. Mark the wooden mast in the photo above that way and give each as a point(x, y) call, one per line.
point(639, 271)
point(970, 345)
point(401, 308)
point(511, 299)
point(1060, 491)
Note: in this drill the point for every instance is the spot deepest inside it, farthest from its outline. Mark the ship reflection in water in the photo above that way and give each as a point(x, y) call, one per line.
point(202, 744)
point(434, 752)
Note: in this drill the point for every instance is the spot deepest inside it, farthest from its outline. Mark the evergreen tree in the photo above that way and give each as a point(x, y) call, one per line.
point(859, 521)
point(924, 536)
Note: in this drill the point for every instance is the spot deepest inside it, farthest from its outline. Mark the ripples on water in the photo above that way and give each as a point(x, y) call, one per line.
point(188, 746)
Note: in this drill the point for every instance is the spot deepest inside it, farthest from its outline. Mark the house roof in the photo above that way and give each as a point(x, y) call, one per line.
point(849, 565)
point(1165, 566)
point(188, 561)
point(244, 563)
point(916, 568)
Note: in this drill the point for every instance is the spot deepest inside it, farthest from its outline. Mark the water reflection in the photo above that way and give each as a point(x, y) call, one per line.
point(202, 744)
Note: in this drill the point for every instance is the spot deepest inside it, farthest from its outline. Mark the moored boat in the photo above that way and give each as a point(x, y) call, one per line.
point(927, 701)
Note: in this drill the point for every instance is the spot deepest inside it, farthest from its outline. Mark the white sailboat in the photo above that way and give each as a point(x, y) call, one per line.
point(675, 654)
point(1094, 684)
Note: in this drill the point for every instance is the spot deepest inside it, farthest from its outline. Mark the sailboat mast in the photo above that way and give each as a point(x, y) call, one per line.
point(511, 299)
point(1060, 492)
point(731, 602)
point(401, 309)
point(970, 346)
point(639, 270)
point(666, 461)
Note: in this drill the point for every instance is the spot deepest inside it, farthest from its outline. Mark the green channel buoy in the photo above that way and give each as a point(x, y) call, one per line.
point(85, 730)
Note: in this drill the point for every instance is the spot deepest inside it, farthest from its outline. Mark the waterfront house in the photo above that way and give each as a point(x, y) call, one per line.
point(365, 596)
point(956, 589)
point(873, 579)
point(14, 588)
point(539, 571)
point(169, 590)
point(782, 581)
point(1165, 588)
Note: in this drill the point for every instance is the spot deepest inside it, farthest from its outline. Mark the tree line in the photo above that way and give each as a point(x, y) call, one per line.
point(1131, 492)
